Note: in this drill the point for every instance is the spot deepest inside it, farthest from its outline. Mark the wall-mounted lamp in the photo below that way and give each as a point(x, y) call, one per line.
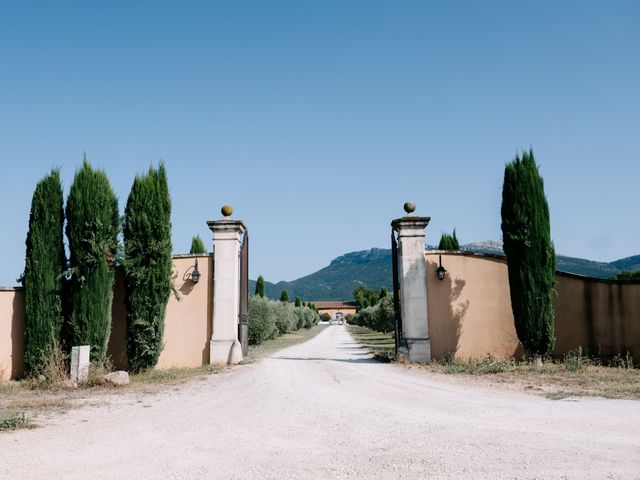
point(195, 275)
point(441, 271)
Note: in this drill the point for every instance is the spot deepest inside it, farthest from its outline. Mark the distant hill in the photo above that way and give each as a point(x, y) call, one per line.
point(372, 268)
point(337, 281)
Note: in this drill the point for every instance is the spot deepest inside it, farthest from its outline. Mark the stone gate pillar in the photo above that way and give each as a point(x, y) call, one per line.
point(224, 345)
point(414, 344)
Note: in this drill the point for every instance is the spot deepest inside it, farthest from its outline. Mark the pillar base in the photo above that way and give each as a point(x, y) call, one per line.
point(415, 350)
point(226, 352)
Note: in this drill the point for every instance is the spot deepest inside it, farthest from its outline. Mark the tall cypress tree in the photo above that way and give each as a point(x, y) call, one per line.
point(147, 266)
point(92, 229)
point(44, 265)
point(530, 253)
point(260, 286)
point(284, 296)
point(197, 245)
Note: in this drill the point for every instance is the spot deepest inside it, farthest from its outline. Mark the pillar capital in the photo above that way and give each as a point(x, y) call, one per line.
point(227, 229)
point(410, 226)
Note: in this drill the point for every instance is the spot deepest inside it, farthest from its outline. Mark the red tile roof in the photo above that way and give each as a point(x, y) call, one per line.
point(334, 305)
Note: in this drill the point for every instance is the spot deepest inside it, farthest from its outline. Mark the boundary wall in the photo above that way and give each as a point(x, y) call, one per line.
point(470, 313)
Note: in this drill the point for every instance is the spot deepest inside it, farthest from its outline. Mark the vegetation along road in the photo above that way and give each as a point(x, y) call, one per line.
point(326, 409)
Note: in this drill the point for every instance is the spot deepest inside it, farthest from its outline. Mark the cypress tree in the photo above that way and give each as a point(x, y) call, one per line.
point(298, 302)
point(197, 245)
point(449, 242)
point(147, 266)
point(44, 266)
point(260, 286)
point(284, 296)
point(92, 229)
point(530, 253)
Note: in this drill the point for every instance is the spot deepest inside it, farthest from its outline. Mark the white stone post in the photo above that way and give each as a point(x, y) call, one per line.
point(80, 363)
point(225, 347)
point(414, 344)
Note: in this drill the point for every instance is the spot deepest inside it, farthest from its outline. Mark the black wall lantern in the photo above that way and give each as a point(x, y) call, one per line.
point(195, 275)
point(441, 271)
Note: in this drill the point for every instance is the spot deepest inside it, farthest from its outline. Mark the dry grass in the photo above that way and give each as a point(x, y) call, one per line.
point(553, 378)
point(574, 375)
point(381, 345)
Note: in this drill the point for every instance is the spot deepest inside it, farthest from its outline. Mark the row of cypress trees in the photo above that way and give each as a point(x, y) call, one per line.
point(69, 303)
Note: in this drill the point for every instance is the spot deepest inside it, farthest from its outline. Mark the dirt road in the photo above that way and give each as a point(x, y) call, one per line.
point(325, 409)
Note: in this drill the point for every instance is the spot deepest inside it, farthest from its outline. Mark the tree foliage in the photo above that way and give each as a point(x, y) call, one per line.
point(260, 286)
point(365, 297)
point(147, 266)
point(44, 266)
point(449, 242)
point(284, 296)
point(197, 245)
point(92, 230)
point(627, 275)
point(298, 302)
point(381, 317)
point(530, 253)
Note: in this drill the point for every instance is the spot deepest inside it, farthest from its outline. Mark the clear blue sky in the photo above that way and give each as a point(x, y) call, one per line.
point(317, 120)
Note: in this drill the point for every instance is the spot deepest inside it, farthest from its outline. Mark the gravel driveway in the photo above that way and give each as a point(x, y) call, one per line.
point(325, 409)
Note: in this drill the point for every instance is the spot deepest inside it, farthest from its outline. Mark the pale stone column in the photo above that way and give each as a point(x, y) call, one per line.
point(224, 346)
point(414, 344)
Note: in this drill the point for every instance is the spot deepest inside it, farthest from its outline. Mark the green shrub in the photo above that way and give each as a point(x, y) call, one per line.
point(530, 253)
point(197, 245)
point(576, 360)
point(269, 319)
point(43, 273)
point(380, 318)
point(147, 267)
point(262, 320)
point(93, 224)
point(325, 317)
point(284, 296)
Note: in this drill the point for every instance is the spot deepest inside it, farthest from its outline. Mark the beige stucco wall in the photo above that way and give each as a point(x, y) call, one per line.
point(187, 321)
point(11, 333)
point(470, 311)
point(599, 315)
point(187, 327)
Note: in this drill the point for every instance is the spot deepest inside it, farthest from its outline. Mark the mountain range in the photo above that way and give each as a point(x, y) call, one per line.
point(372, 268)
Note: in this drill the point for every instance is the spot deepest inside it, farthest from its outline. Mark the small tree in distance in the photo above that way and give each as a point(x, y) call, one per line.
point(284, 296)
point(530, 254)
point(298, 302)
point(260, 287)
point(449, 242)
point(197, 245)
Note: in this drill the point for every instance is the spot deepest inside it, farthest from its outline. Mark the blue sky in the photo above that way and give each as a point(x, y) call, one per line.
point(317, 120)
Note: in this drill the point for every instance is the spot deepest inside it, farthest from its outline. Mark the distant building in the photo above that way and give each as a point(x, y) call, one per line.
point(336, 309)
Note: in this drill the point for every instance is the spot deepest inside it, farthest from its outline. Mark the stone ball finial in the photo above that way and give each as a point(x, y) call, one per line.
point(226, 210)
point(409, 207)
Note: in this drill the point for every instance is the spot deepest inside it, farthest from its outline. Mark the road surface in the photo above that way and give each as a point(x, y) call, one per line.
point(326, 410)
